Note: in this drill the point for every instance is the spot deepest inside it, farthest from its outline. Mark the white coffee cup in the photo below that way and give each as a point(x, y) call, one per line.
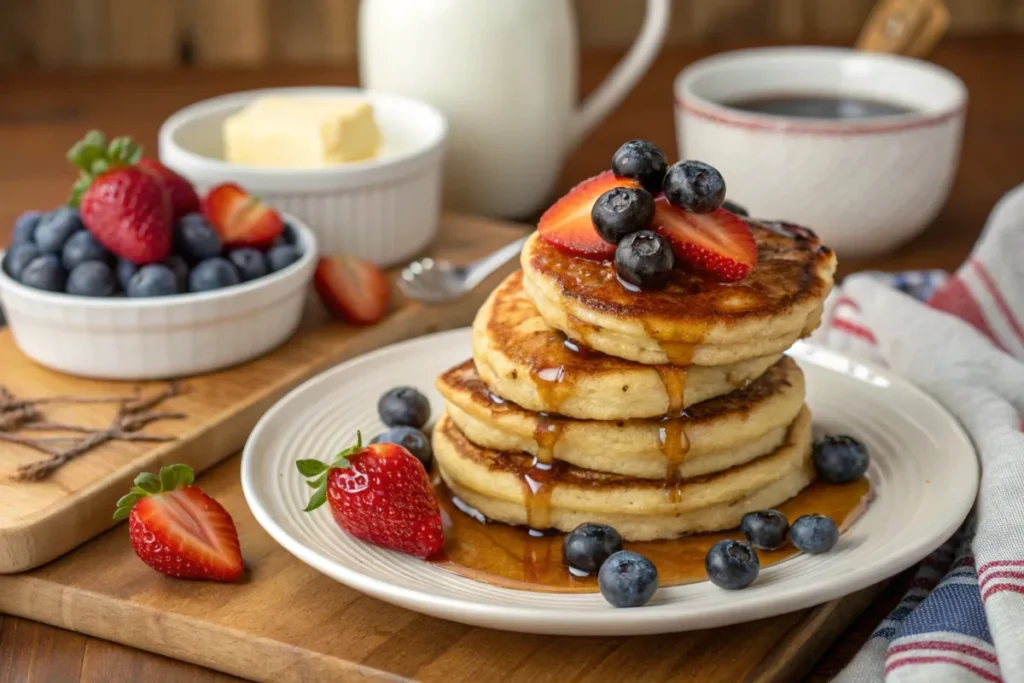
point(865, 185)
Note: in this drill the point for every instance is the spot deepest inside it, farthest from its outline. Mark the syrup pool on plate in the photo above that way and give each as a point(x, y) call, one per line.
point(515, 557)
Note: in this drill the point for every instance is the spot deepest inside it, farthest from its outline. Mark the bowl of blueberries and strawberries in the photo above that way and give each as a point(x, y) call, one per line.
point(139, 277)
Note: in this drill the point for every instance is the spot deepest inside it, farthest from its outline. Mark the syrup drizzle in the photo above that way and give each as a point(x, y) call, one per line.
point(674, 446)
point(539, 484)
point(554, 386)
point(551, 385)
point(671, 433)
point(546, 434)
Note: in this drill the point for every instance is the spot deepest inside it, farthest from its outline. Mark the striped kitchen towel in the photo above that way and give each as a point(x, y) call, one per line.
point(961, 338)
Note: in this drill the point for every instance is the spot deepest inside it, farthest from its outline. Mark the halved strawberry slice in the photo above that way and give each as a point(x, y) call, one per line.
point(240, 219)
point(354, 290)
point(567, 225)
point(178, 530)
point(719, 242)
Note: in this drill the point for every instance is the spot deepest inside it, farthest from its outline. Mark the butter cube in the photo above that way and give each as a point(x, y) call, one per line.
point(301, 132)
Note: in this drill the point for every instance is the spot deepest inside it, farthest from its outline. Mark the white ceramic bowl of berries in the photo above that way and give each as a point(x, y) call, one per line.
point(143, 279)
point(385, 209)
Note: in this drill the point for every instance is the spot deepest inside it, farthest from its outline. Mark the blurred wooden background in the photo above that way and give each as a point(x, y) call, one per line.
point(146, 33)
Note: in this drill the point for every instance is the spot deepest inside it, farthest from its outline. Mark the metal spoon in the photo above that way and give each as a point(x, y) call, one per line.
point(437, 282)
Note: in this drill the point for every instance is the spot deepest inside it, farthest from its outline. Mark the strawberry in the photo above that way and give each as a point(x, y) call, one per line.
point(353, 289)
point(240, 219)
point(124, 208)
point(567, 224)
point(178, 530)
point(184, 199)
point(719, 242)
point(379, 493)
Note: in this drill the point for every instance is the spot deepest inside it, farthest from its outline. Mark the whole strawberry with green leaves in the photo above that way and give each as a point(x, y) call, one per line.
point(379, 493)
point(128, 203)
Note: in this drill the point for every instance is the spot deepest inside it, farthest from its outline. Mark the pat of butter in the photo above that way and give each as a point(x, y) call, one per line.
point(301, 132)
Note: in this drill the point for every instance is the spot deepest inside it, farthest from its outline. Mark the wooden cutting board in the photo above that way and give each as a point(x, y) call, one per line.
point(42, 520)
point(286, 623)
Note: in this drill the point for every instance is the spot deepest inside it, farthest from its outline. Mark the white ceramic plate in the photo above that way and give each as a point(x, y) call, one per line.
point(923, 467)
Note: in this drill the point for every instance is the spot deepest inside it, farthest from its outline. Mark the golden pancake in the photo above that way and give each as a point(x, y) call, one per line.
point(696, 319)
point(523, 360)
point(709, 437)
point(510, 487)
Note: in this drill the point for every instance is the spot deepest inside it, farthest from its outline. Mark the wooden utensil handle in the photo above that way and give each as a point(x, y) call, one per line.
point(908, 27)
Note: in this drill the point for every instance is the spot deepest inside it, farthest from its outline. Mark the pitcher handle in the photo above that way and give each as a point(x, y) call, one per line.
point(625, 74)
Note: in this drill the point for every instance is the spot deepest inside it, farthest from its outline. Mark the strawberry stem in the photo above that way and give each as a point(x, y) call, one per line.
point(148, 484)
point(93, 156)
point(317, 471)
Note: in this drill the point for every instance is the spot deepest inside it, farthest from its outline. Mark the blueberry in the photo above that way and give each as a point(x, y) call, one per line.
point(627, 579)
point(644, 259)
point(195, 239)
point(19, 256)
point(641, 161)
point(45, 272)
point(765, 529)
point(82, 247)
point(622, 211)
point(287, 236)
point(404, 406)
point(251, 263)
point(56, 227)
point(414, 441)
point(839, 459)
point(814, 533)
point(156, 279)
point(731, 565)
point(589, 545)
point(125, 269)
point(281, 257)
point(92, 278)
point(25, 227)
point(694, 186)
point(179, 267)
point(735, 208)
point(214, 273)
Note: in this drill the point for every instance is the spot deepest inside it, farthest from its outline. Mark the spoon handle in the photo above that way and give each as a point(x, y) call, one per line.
point(477, 271)
point(908, 27)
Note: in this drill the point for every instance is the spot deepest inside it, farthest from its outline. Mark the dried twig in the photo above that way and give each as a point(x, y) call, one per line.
point(134, 413)
point(17, 418)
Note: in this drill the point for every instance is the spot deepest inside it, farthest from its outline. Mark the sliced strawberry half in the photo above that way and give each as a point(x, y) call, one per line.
point(567, 224)
point(353, 289)
point(240, 219)
point(178, 530)
point(719, 242)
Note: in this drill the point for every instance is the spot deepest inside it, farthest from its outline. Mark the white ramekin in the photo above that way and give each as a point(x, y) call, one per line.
point(864, 185)
point(165, 337)
point(384, 209)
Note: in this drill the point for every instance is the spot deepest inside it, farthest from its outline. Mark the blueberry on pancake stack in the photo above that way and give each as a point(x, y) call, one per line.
point(632, 373)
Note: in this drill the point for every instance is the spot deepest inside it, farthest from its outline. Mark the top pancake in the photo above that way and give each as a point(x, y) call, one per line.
point(695, 320)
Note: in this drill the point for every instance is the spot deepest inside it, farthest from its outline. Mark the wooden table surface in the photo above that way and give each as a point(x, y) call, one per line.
point(41, 115)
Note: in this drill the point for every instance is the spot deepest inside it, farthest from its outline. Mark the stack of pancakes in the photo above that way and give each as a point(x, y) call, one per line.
point(659, 413)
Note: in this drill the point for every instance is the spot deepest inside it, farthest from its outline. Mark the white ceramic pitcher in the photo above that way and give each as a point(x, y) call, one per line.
point(504, 72)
